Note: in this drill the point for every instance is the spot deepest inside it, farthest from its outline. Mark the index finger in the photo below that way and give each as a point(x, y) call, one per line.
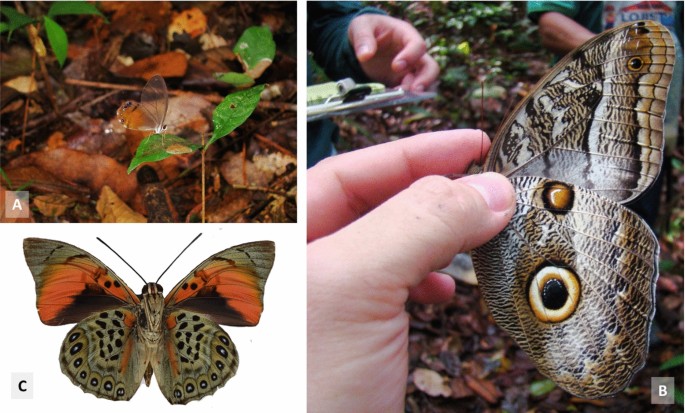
point(342, 188)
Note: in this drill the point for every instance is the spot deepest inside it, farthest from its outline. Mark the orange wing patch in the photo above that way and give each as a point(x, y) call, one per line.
point(230, 295)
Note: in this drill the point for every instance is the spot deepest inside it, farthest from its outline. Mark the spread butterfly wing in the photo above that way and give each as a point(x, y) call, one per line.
point(197, 357)
point(103, 356)
point(228, 286)
point(590, 334)
point(596, 120)
point(71, 284)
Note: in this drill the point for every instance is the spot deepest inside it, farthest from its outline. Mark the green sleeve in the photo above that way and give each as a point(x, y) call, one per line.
point(327, 39)
point(536, 8)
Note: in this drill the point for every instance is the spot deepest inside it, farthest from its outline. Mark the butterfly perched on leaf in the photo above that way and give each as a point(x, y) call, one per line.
point(121, 338)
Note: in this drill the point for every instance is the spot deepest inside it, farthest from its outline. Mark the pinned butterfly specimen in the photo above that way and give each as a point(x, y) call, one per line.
point(150, 113)
point(572, 277)
point(122, 338)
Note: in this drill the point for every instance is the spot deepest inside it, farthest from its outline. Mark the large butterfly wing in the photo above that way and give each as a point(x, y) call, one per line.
point(573, 285)
point(596, 120)
point(71, 284)
point(103, 355)
point(197, 357)
point(228, 286)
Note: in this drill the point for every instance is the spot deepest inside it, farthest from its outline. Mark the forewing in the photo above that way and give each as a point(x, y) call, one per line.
point(71, 284)
point(228, 286)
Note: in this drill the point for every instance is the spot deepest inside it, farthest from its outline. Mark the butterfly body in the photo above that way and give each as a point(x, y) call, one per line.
point(121, 339)
point(150, 113)
point(572, 277)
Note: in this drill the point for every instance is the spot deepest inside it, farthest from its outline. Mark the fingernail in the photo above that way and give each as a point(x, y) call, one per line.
point(400, 65)
point(492, 187)
point(363, 50)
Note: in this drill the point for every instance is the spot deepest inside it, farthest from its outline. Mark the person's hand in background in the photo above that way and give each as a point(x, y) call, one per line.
point(392, 52)
point(378, 226)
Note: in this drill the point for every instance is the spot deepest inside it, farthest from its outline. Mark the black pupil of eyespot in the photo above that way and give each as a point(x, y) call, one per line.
point(635, 63)
point(554, 294)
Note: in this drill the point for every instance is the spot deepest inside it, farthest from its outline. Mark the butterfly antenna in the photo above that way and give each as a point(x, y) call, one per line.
point(172, 262)
point(122, 258)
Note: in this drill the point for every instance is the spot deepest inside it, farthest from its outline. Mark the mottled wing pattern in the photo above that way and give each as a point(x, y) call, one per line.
point(601, 339)
point(229, 286)
point(196, 359)
point(71, 284)
point(103, 355)
point(596, 120)
point(572, 277)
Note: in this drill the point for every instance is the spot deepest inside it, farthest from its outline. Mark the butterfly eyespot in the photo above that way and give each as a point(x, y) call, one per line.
point(557, 196)
point(193, 286)
point(203, 384)
point(553, 294)
point(108, 284)
point(178, 394)
point(94, 382)
point(222, 351)
point(214, 377)
point(224, 340)
point(190, 388)
point(117, 284)
point(75, 348)
point(108, 385)
point(83, 375)
point(219, 365)
point(77, 363)
point(73, 337)
point(635, 64)
point(121, 392)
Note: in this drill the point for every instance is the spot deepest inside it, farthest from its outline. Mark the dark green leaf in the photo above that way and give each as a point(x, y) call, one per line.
point(236, 79)
point(674, 361)
point(16, 20)
point(61, 8)
point(156, 147)
point(233, 111)
point(57, 38)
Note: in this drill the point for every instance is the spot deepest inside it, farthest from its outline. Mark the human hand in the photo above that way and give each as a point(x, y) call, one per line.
point(378, 225)
point(392, 52)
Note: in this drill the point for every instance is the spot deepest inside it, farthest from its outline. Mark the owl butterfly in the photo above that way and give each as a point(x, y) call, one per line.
point(572, 277)
point(122, 338)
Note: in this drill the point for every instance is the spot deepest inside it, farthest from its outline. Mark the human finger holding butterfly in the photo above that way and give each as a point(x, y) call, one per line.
point(373, 241)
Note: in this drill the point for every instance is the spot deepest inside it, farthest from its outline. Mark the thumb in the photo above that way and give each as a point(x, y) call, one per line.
point(394, 247)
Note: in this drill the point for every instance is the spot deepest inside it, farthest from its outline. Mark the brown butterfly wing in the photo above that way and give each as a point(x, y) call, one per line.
point(596, 120)
point(71, 284)
point(228, 286)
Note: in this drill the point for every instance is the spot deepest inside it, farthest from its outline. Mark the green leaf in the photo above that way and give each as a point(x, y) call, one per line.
point(57, 38)
point(674, 361)
point(233, 111)
point(61, 8)
point(156, 147)
point(16, 20)
point(236, 79)
point(541, 387)
point(256, 50)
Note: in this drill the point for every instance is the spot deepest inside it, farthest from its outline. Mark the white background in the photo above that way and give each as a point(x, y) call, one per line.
point(272, 371)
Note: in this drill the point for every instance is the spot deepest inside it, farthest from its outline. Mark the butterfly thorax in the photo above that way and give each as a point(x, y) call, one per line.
point(150, 318)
